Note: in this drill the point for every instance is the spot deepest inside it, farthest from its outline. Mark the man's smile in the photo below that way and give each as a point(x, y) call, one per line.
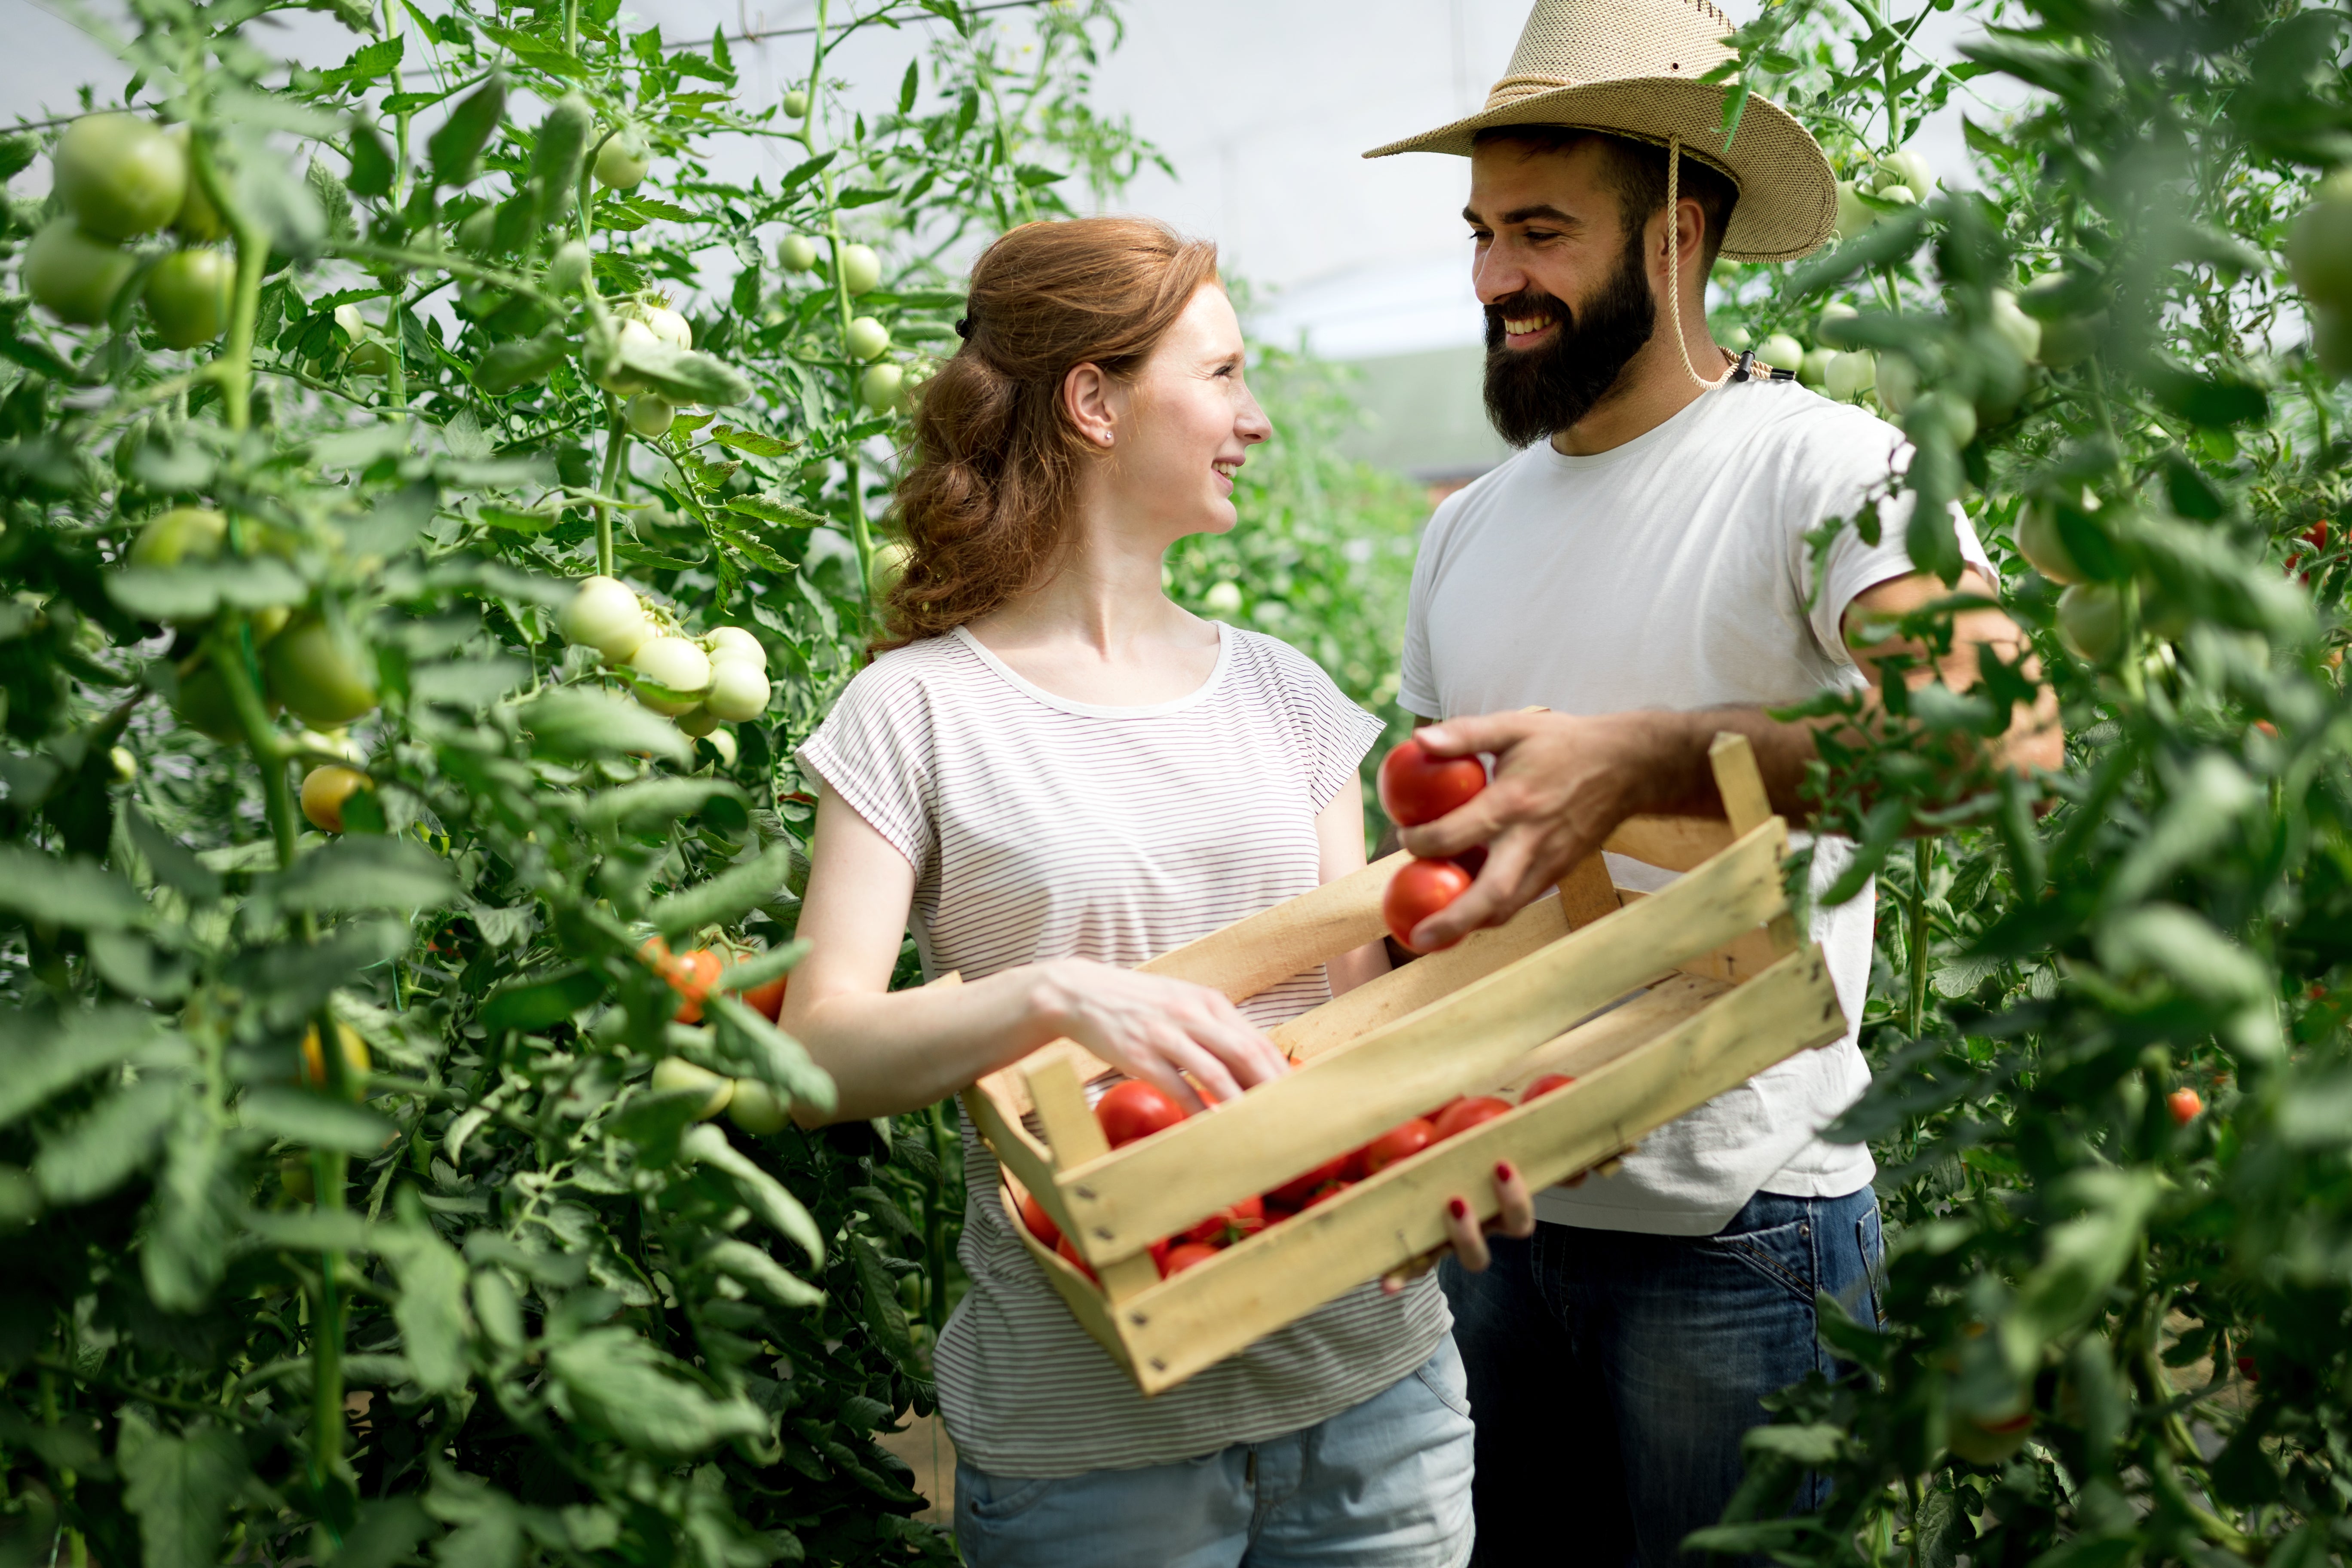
point(1526, 331)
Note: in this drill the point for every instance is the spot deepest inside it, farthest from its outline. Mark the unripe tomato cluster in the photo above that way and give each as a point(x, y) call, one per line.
point(1417, 787)
point(648, 321)
point(120, 177)
point(749, 1103)
point(1132, 1111)
point(699, 682)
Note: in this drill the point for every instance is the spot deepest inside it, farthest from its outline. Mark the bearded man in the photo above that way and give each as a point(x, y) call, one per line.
point(1645, 570)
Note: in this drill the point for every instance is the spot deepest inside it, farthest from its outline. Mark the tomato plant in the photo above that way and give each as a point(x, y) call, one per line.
point(376, 667)
point(2078, 1274)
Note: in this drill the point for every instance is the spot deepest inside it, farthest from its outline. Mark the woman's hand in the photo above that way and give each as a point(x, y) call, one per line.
point(1466, 1238)
point(1155, 1029)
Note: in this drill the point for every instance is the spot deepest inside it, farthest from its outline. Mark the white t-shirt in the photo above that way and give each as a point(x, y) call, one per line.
point(1040, 828)
point(1674, 572)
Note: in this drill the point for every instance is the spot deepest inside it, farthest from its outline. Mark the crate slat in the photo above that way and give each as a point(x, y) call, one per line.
point(1460, 1043)
point(1184, 1324)
point(1391, 997)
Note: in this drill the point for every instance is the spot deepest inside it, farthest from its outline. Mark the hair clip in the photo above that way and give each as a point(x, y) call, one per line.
point(963, 328)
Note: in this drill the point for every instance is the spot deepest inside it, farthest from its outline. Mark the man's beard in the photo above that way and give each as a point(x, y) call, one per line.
point(1531, 393)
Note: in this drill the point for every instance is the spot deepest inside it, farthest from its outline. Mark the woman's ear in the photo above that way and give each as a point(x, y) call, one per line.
point(1091, 399)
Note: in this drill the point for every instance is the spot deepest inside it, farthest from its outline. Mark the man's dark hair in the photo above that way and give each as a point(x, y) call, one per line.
point(1636, 171)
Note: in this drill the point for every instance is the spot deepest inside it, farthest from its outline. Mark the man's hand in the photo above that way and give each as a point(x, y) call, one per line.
point(1561, 785)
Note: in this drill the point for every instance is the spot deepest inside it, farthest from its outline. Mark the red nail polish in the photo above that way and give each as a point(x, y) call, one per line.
point(1503, 1171)
point(1459, 1209)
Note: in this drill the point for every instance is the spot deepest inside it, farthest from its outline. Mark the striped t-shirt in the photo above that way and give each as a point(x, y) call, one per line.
point(1041, 829)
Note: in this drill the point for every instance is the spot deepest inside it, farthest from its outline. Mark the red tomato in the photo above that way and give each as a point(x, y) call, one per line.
point(1294, 1194)
point(1069, 1254)
point(1463, 1114)
point(767, 1000)
point(1160, 1254)
point(2247, 1370)
point(1135, 1109)
point(1184, 1255)
point(1544, 1085)
point(2186, 1104)
point(1399, 1142)
point(1041, 1223)
point(1228, 1225)
point(1416, 787)
point(690, 974)
point(1431, 1116)
point(1325, 1194)
point(1418, 891)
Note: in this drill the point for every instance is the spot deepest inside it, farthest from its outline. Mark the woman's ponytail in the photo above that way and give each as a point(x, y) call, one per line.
point(987, 505)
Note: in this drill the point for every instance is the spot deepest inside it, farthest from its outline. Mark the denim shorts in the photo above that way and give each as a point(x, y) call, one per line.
point(1385, 1484)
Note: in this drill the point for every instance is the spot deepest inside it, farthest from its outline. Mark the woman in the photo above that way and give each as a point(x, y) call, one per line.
point(1061, 773)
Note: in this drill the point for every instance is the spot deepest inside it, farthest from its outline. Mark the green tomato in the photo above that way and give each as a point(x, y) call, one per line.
point(674, 1073)
point(677, 665)
point(198, 221)
point(880, 386)
point(861, 269)
point(2319, 247)
point(650, 415)
point(1899, 386)
point(889, 565)
point(796, 253)
point(2045, 547)
point(623, 160)
point(2017, 329)
point(699, 722)
point(868, 338)
point(204, 707)
point(120, 175)
point(75, 275)
point(1850, 375)
point(370, 354)
point(324, 678)
point(722, 742)
point(1908, 169)
point(2331, 340)
point(1738, 339)
point(1815, 370)
point(607, 616)
point(796, 105)
point(1853, 213)
point(1988, 1442)
point(2091, 621)
point(189, 294)
point(183, 533)
point(757, 1109)
point(568, 269)
point(1833, 316)
point(738, 691)
point(1901, 196)
point(1222, 599)
point(1782, 351)
point(734, 642)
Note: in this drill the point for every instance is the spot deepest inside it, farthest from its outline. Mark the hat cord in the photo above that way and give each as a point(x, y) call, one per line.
point(1674, 265)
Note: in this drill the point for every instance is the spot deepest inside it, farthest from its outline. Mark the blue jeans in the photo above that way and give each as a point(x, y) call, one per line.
point(1383, 1485)
point(1612, 1375)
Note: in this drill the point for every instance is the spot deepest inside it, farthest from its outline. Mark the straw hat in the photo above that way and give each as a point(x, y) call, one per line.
point(1631, 68)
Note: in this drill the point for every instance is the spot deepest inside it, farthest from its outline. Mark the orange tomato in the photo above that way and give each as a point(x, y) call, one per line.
point(690, 973)
point(767, 1000)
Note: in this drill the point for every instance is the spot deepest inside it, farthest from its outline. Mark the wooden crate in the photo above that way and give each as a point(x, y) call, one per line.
point(1654, 1003)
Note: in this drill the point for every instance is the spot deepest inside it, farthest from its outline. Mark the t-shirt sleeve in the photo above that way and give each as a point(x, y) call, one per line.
point(1333, 731)
point(875, 752)
point(1852, 567)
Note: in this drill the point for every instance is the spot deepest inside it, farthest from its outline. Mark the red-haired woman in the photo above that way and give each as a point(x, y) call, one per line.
point(1057, 774)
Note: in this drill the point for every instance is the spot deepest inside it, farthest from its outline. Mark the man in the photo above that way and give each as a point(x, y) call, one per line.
point(1643, 571)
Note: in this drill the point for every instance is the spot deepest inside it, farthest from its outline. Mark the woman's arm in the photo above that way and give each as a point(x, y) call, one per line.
point(896, 1051)
point(1339, 835)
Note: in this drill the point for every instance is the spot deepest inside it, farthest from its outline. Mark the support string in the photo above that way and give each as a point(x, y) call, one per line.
point(1674, 265)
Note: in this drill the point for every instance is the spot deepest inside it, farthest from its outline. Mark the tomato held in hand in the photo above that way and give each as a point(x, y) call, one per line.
point(1184, 1255)
point(2187, 1105)
point(1228, 1225)
point(1463, 1114)
point(1416, 787)
point(1418, 891)
point(1399, 1143)
point(1041, 1223)
point(1296, 1192)
point(1544, 1085)
point(1135, 1109)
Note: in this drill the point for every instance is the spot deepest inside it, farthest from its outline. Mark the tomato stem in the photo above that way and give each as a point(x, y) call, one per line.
point(860, 532)
point(613, 448)
point(234, 369)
